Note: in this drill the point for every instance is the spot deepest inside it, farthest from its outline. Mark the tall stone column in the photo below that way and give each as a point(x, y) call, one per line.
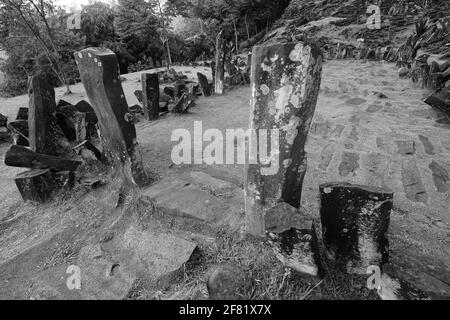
point(41, 122)
point(285, 82)
point(150, 95)
point(220, 64)
point(100, 74)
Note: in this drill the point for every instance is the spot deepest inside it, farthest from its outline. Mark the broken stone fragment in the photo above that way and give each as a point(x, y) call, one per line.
point(36, 185)
point(22, 114)
point(19, 130)
point(225, 282)
point(157, 258)
point(3, 120)
point(298, 249)
point(283, 217)
point(204, 84)
point(138, 95)
point(103, 278)
point(183, 105)
point(355, 221)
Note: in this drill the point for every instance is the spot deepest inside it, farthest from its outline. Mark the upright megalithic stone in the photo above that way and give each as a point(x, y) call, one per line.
point(355, 221)
point(220, 64)
point(41, 122)
point(204, 84)
point(150, 95)
point(100, 74)
point(285, 82)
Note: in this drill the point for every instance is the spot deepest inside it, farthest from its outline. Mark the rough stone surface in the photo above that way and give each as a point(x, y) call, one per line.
point(412, 182)
point(285, 84)
point(158, 258)
point(355, 221)
point(298, 249)
point(100, 75)
point(102, 278)
point(224, 282)
point(42, 106)
point(195, 199)
point(150, 95)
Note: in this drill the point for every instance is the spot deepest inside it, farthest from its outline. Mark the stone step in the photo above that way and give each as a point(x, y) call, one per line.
point(200, 197)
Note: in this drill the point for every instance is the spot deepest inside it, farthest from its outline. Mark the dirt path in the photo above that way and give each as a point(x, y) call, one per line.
point(370, 128)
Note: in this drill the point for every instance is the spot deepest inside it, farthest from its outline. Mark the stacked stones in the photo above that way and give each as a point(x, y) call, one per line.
point(156, 102)
point(47, 129)
point(4, 135)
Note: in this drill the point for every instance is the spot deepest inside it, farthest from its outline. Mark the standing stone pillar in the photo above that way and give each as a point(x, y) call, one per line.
point(41, 122)
point(355, 221)
point(100, 75)
point(150, 95)
point(220, 64)
point(285, 82)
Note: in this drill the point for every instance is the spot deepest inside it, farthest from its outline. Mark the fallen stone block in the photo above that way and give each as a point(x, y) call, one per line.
point(36, 185)
point(22, 157)
point(204, 84)
point(19, 131)
point(138, 95)
point(157, 258)
point(103, 278)
point(170, 91)
point(85, 107)
point(293, 239)
point(4, 134)
point(22, 114)
point(437, 102)
point(72, 123)
point(355, 221)
point(183, 105)
point(3, 120)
